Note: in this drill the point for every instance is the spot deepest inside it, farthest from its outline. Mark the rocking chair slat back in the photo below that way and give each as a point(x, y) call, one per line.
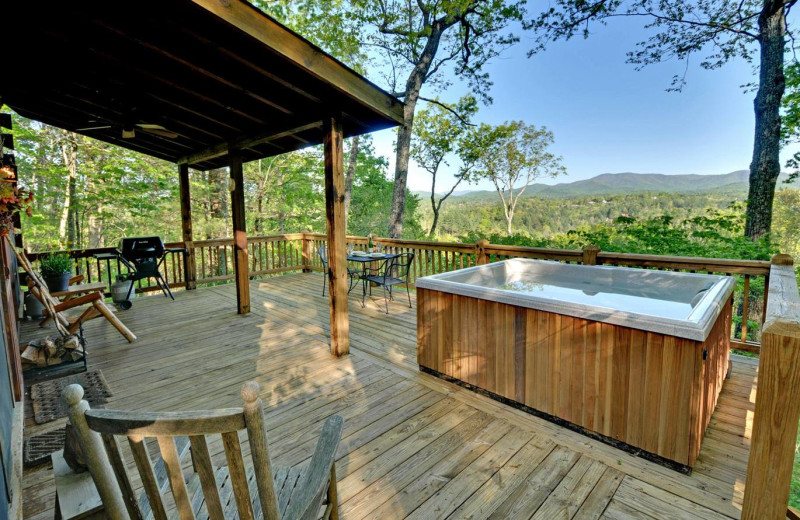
point(145, 467)
point(233, 454)
point(302, 498)
point(202, 463)
point(111, 444)
point(169, 454)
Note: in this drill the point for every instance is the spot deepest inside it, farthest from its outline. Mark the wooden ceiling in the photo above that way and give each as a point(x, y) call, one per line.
point(219, 73)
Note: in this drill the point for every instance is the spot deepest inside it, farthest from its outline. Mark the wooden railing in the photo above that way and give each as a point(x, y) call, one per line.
point(106, 270)
point(777, 409)
point(275, 254)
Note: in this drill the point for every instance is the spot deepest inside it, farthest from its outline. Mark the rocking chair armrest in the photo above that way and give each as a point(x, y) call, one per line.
point(76, 302)
point(76, 279)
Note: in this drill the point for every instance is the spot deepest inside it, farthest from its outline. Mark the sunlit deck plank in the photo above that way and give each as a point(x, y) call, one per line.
point(413, 444)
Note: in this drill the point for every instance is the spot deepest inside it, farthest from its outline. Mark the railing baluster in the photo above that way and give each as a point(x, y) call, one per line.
point(745, 306)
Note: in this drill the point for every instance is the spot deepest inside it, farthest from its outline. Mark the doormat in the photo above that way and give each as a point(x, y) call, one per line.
point(39, 447)
point(46, 396)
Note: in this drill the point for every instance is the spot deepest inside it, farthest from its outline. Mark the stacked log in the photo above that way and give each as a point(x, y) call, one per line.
point(51, 351)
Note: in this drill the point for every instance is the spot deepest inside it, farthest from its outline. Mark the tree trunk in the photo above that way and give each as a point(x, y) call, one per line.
point(259, 210)
point(218, 198)
point(413, 86)
point(93, 221)
point(74, 231)
point(765, 167)
point(401, 168)
point(435, 221)
point(348, 180)
point(95, 230)
point(69, 154)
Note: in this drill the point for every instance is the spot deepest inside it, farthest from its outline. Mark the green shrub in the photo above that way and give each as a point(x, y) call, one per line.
point(55, 265)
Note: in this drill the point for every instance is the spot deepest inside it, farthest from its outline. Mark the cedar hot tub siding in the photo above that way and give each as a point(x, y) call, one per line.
point(651, 391)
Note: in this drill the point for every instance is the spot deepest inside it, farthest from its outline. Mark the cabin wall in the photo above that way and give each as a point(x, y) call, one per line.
point(11, 406)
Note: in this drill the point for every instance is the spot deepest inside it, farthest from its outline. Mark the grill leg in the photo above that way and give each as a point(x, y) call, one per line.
point(130, 290)
point(166, 286)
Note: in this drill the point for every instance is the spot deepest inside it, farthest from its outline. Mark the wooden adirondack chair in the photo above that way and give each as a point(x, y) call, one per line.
point(226, 492)
point(77, 296)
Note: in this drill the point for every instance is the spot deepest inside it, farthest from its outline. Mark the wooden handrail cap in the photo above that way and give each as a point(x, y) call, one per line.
point(591, 248)
point(250, 391)
point(483, 242)
point(782, 259)
point(72, 394)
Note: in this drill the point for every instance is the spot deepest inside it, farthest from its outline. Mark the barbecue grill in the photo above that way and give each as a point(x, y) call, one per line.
point(144, 256)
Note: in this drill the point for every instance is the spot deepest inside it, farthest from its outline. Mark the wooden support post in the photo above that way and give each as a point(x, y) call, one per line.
point(337, 241)
point(239, 232)
point(189, 264)
point(481, 256)
point(777, 410)
point(590, 255)
point(307, 253)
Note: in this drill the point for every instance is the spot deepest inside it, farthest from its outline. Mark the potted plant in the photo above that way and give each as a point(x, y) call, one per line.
point(13, 199)
point(56, 270)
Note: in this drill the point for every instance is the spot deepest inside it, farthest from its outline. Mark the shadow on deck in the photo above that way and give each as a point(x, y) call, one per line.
point(413, 445)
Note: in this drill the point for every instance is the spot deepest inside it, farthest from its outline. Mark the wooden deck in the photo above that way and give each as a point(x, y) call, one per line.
point(413, 445)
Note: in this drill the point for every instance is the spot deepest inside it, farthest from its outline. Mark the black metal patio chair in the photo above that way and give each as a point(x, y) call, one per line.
point(353, 275)
point(393, 271)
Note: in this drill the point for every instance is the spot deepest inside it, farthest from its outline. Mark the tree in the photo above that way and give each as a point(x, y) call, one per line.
point(418, 42)
point(512, 155)
point(790, 128)
point(436, 134)
point(723, 30)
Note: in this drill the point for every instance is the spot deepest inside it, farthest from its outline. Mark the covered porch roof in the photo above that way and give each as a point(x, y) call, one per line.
point(219, 74)
point(204, 84)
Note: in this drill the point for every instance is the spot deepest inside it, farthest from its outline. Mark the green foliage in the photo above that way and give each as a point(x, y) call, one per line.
point(372, 200)
point(512, 155)
point(437, 133)
point(716, 232)
point(55, 265)
point(122, 193)
point(790, 119)
point(432, 41)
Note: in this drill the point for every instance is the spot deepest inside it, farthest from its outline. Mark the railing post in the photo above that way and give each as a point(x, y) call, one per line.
point(189, 262)
point(777, 409)
point(306, 253)
point(590, 255)
point(481, 256)
point(96, 457)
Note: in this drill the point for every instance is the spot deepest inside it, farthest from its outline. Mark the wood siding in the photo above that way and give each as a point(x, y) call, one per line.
point(648, 390)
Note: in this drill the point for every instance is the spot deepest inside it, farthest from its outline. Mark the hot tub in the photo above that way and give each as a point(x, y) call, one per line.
point(634, 357)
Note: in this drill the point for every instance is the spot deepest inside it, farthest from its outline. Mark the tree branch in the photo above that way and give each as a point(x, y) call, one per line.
point(449, 109)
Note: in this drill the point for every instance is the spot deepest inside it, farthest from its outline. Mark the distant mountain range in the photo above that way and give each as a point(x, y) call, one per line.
point(623, 183)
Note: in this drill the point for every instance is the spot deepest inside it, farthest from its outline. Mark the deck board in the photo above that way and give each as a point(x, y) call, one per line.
point(413, 445)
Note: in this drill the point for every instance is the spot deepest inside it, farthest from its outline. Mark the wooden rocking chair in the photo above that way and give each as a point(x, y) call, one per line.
point(216, 493)
point(76, 296)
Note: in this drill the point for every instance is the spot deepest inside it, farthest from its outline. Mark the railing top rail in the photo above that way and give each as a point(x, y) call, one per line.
point(88, 252)
point(752, 267)
point(783, 306)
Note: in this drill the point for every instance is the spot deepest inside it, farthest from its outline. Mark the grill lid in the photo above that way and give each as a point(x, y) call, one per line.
point(134, 248)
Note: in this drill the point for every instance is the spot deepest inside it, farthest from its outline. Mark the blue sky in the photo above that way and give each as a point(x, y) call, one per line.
point(608, 117)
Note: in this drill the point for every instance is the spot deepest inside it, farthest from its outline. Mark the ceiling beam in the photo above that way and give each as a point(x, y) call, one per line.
point(304, 55)
point(244, 143)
